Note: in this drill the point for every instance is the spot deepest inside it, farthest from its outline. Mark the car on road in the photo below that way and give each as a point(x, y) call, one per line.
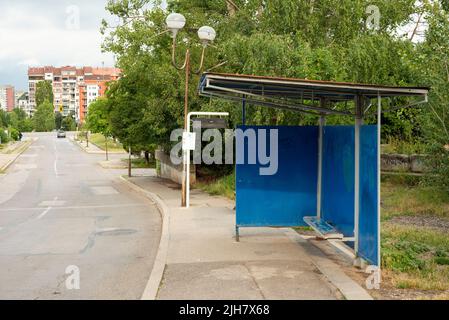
point(61, 134)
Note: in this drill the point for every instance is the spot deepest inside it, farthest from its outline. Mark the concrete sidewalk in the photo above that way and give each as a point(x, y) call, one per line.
point(92, 147)
point(9, 154)
point(204, 262)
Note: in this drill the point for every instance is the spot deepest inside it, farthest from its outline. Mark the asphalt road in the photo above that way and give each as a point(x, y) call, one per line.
point(61, 213)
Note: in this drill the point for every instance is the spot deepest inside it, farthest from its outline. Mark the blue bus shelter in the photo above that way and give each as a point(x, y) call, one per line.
point(328, 177)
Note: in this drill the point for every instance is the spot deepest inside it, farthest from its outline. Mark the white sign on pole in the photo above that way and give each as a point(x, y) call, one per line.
point(188, 141)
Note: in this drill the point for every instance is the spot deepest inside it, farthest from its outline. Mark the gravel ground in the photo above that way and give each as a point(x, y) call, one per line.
point(440, 224)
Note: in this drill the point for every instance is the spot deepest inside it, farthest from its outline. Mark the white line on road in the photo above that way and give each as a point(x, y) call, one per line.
point(78, 207)
point(43, 213)
point(56, 168)
point(55, 165)
point(46, 211)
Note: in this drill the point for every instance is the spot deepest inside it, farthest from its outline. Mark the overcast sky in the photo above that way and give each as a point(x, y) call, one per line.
point(47, 32)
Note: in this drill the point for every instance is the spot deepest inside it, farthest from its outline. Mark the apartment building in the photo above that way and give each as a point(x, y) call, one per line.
point(7, 98)
point(73, 88)
point(22, 102)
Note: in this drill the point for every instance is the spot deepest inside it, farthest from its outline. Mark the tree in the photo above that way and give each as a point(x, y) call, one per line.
point(44, 92)
point(58, 120)
point(68, 123)
point(432, 68)
point(22, 122)
point(323, 40)
point(44, 118)
point(98, 120)
point(4, 119)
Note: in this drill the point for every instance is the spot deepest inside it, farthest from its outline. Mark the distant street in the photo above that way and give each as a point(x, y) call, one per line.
point(59, 208)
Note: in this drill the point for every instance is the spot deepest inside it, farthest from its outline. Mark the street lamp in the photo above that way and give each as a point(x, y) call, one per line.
point(206, 34)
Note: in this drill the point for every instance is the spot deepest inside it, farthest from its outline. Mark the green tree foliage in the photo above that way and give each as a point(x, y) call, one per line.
point(98, 118)
point(68, 123)
point(44, 92)
point(44, 117)
point(4, 118)
point(24, 123)
point(14, 122)
point(434, 55)
point(58, 120)
point(323, 40)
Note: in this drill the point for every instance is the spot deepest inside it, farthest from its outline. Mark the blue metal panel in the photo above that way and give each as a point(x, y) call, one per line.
point(286, 197)
point(338, 178)
point(368, 221)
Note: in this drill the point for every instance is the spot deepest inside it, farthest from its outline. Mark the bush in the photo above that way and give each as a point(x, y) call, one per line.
point(14, 134)
point(3, 136)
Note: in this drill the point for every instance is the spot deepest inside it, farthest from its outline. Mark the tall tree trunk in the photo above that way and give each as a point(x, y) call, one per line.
point(147, 157)
point(106, 145)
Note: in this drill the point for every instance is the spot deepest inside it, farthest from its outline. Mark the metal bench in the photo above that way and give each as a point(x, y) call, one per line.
point(323, 228)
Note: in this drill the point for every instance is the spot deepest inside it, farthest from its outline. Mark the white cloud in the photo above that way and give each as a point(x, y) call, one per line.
point(29, 62)
point(42, 33)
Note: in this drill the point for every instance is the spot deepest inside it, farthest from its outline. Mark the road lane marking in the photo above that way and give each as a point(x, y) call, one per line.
point(79, 207)
point(56, 168)
point(43, 213)
point(46, 210)
point(52, 203)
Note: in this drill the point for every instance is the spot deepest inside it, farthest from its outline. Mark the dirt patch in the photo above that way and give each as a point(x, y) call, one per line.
point(440, 224)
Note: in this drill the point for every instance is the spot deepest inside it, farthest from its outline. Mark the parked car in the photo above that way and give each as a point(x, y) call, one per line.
point(61, 134)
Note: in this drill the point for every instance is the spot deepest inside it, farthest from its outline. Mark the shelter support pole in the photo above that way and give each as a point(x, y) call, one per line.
point(322, 123)
point(379, 169)
point(185, 154)
point(244, 111)
point(358, 125)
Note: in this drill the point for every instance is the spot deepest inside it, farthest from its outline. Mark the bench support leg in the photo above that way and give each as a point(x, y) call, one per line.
point(237, 234)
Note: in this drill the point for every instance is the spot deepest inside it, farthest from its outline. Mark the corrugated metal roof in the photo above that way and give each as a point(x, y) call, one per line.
point(289, 93)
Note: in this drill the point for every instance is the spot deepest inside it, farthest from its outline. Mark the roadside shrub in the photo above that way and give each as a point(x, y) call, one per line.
point(14, 134)
point(3, 136)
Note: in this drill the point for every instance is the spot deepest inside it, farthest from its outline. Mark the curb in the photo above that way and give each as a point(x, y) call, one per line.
point(94, 152)
point(153, 284)
point(22, 149)
point(350, 289)
point(110, 152)
point(84, 148)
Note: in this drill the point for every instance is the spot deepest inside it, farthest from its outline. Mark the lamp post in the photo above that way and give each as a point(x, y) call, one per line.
point(206, 34)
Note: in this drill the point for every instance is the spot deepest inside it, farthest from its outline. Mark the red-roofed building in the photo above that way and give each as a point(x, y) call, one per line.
point(73, 88)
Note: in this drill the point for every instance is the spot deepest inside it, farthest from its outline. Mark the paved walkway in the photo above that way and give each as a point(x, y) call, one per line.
point(91, 148)
point(11, 152)
point(205, 262)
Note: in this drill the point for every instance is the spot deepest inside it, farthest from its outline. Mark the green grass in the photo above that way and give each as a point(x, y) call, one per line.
point(407, 195)
point(224, 186)
point(140, 163)
point(100, 141)
point(399, 146)
point(416, 258)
